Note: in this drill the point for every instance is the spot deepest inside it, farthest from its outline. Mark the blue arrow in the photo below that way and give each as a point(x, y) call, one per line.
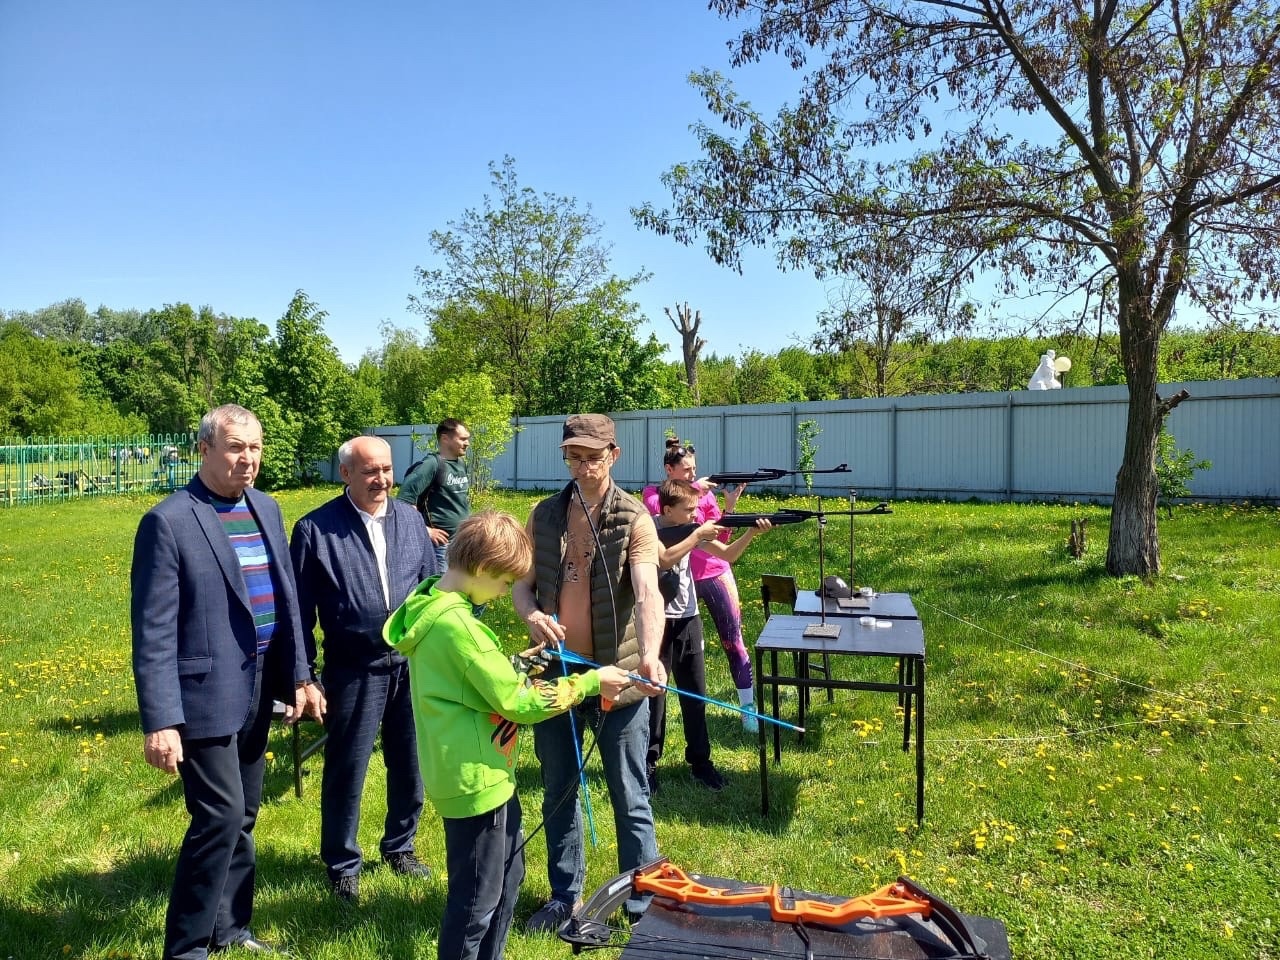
point(571, 657)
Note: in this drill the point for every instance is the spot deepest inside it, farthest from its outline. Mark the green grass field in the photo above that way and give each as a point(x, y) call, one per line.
point(1103, 755)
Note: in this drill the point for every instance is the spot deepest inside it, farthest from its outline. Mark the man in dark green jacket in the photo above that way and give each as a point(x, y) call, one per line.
point(439, 486)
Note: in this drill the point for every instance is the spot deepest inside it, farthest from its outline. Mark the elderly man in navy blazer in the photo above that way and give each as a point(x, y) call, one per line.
point(216, 637)
point(356, 558)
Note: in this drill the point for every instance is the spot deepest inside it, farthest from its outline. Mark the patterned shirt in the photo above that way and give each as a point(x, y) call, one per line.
point(255, 564)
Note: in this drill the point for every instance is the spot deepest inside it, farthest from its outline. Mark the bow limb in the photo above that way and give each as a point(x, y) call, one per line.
point(589, 927)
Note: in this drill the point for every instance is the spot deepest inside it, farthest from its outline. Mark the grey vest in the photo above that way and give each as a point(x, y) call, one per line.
point(613, 599)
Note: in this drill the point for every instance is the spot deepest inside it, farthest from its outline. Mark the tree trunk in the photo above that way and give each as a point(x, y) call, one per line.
point(1134, 542)
point(1133, 546)
point(691, 344)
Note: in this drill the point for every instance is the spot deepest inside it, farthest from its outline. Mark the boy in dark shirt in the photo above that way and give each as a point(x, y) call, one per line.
point(682, 643)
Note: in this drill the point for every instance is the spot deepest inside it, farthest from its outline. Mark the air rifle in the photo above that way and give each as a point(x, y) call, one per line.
point(763, 474)
point(796, 516)
point(673, 535)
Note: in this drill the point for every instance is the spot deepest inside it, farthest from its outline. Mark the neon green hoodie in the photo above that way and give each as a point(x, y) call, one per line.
point(468, 700)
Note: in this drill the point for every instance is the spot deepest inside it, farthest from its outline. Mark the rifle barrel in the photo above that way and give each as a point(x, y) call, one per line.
point(770, 473)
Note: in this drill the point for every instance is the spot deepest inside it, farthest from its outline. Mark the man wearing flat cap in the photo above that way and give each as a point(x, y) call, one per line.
point(594, 589)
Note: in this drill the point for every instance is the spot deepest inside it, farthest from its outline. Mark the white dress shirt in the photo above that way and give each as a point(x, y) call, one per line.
point(373, 525)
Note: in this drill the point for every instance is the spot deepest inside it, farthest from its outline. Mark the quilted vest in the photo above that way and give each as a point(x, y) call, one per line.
point(613, 600)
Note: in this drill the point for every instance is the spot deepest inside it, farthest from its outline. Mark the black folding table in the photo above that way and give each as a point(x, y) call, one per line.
point(902, 640)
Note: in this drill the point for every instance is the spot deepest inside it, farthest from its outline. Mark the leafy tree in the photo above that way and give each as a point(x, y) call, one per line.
point(808, 370)
point(1174, 470)
point(245, 351)
point(65, 320)
point(1225, 352)
point(409, 371)
point(362, 406)
point(42, 390)
point(599, 364)
point(761, 379)
point(188, 341)
point(893, 293)
point(755, 377)
point(1125, 150)
point(281, 436)
point(511, 277)
point(306, 377)
point(107, 325)
point(973, 364)
point(717, 380)
point(39, 390)
point(807, 432)
point(135, 377)
point(472, 399)
point(248, 353)
point(165, 370)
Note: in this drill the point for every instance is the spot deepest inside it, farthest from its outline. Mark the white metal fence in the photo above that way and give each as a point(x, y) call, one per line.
point(1021, 445)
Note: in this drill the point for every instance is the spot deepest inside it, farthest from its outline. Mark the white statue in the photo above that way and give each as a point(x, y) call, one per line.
point(1046, 376)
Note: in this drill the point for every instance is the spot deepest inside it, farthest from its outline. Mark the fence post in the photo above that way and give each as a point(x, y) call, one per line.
point(1008, 448)
point(893, 449)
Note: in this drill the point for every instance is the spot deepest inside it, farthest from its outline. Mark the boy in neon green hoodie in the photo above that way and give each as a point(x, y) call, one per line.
point(468, 702)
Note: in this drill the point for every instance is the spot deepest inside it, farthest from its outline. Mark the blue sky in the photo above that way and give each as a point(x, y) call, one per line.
point(230, 153)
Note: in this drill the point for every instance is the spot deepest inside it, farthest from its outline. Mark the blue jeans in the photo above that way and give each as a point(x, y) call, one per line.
point(622, 739)
point(482, 888)
point(360, 702)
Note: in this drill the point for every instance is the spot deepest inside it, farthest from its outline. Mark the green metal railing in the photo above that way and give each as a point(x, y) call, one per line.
point(49, 469)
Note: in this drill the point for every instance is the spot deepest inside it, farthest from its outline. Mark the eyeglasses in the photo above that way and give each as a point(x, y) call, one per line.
point(572, 462)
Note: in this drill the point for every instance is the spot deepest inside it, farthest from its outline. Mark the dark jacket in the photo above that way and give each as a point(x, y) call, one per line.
point(194, 641)
point(338, 581)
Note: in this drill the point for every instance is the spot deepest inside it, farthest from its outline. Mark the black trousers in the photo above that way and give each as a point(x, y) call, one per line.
point(483, 885)
point(682, 654)
point(212, 898)
point(361, 702)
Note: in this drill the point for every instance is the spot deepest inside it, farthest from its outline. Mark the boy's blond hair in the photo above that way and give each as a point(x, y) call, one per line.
point(674, 492)
point(491, 542)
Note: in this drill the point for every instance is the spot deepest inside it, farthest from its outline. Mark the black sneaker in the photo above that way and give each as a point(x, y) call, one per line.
point(406, 864)
point(550, 917)
point(251, 944)
point(707, 775)
point(346, 888)
point(651, 775)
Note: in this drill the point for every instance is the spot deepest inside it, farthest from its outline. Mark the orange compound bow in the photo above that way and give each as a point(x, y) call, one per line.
point(950, 934)
point(891, 900)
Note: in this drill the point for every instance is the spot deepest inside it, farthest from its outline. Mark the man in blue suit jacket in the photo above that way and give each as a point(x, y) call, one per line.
point(356, 558)
point(216, 637)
